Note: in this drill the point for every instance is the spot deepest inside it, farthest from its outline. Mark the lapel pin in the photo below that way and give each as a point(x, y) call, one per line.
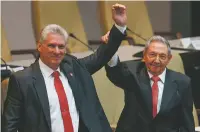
point(71, 74)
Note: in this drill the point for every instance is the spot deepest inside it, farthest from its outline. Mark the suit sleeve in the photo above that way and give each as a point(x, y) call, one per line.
point(187, 107)
point(119, 75)
point(104, 53)
point(12, 113)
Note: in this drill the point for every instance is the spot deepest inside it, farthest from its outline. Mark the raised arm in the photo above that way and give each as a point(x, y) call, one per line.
point(118, 73)
point(97, 60)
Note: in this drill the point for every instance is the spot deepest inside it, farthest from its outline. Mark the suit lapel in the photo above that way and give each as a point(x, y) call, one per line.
point(141, 76)
point(170, 88)
point(67, 69)
point(39, 85)
point(139, 72)
point(146, 89)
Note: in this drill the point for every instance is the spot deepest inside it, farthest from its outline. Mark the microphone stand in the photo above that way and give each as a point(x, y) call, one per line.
point(4, 63)
point(5, 73)
point(139, 54)
point(74, 37)
point(136, 34)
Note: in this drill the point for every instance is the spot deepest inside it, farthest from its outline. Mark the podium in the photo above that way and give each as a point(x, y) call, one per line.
point(191, 62)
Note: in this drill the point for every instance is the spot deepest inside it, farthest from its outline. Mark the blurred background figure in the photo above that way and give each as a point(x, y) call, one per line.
point(179, 35)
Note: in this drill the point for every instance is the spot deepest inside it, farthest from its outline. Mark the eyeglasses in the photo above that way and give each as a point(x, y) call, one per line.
point(154, 55)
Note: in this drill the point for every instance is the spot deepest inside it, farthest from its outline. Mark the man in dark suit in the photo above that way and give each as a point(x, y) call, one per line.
point(156, 99)
point(57, 92)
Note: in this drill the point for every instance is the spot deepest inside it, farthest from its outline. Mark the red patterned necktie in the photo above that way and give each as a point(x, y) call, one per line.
point(64, 108)
point(155, 94)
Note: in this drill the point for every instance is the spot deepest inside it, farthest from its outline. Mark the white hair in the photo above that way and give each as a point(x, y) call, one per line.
point(158, 38)
point(53, 28)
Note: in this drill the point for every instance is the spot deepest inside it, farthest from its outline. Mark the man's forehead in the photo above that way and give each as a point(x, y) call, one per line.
point(55, 35)
point(55, 38)
point(157, 45)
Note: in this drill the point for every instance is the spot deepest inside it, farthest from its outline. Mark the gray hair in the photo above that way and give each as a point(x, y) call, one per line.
point(158, 38)
point(53, 28)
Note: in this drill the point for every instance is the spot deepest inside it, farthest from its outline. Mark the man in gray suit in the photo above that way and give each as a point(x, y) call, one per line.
point(57, 92)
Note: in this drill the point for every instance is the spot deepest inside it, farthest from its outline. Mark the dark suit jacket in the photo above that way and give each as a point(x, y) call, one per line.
point(27, 106)
point(175, 114)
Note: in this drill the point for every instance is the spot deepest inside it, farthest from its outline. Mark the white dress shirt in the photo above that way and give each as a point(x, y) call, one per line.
point(54, 105)
point(113, 62)
point(161, 83)
point(121, 29)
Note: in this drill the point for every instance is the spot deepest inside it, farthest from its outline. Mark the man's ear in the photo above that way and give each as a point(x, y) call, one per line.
point(39, 46)
point(143, 57)
point(169, 58)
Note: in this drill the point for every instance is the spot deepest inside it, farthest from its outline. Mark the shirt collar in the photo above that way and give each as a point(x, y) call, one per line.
point(46, 70)
point(161, 76)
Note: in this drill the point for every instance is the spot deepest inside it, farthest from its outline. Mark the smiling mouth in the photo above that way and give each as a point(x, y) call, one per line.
point(155, 65)
point(56, 58)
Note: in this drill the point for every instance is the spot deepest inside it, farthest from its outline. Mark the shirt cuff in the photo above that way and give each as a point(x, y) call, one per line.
point(114, 60)
point(121, 29)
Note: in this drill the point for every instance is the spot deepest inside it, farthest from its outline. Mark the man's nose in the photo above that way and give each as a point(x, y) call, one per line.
point(56, 50)
point(157, 59)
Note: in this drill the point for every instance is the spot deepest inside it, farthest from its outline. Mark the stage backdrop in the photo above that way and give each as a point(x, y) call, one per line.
point(63, 13)
point(138, 18)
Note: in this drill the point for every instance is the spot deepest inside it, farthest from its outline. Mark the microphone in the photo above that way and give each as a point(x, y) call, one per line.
point(73, 36)
point(4, 63)
point(5, 73)
point(128, 29)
